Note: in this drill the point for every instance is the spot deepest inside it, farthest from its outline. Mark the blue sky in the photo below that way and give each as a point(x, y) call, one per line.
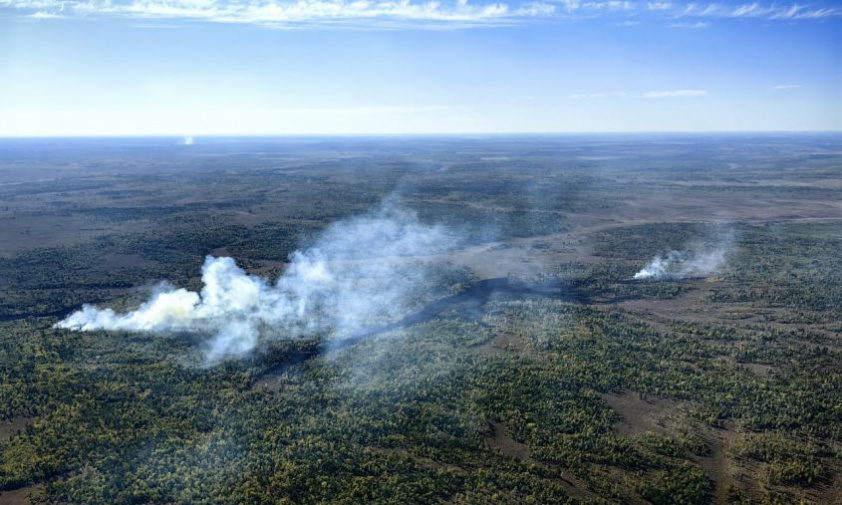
point(220, 67)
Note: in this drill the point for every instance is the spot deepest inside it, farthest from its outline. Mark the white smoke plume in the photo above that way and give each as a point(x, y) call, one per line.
point(360, 272)
point(700, 259)
point(683, 264)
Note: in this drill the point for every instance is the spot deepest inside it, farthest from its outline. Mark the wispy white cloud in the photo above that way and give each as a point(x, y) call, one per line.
point(771, 10)
point(282, 13)
point(595, 6)
point(44, 15)
point(691, 26)
point(587, 96)
point(675, 93)
point(416, 13)
point(535, 9)
point(783, 87)
point(767, 10)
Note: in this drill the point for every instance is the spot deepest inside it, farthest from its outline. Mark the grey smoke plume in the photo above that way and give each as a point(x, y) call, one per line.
point(683, 264)
point(361, 271)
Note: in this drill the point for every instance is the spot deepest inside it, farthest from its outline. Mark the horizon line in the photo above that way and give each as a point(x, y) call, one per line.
point(407, 134)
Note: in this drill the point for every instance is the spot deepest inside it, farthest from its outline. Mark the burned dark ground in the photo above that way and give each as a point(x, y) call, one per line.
point(526, 365)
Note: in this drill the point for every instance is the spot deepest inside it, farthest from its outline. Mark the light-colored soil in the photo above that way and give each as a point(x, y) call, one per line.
point(758, 369)
point(500, 343)
point(11, 427)
point(719, 467)
point(665, 417)
point(691, 306)
point(18, 496)
point(500, 440)
point(641, 415)
point(694, 306)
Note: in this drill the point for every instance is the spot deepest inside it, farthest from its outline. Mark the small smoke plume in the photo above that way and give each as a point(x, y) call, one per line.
point(683, 264)
point(695, 261)
point(360, 272)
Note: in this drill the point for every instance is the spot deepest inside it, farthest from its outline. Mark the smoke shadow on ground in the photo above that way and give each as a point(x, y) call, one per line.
point(467, 304)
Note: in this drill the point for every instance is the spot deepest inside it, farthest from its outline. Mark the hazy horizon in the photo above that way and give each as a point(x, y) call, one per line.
point(466, 134)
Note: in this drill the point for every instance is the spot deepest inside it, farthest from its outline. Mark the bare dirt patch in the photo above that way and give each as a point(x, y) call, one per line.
point(641, 415)
point(501, 343)
point(718, 466)
point(19, 496)
point(691, 306)
point(110, 261)
point(758, 369)
point(277, 380)
point(499, 440)
point(10, 428)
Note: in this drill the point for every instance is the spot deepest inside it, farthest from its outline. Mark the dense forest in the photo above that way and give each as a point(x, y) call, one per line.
point(533, 365)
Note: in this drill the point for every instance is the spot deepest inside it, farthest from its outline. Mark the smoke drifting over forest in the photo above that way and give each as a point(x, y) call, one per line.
point(359, 272)
point(695, 261)
point(683, 264)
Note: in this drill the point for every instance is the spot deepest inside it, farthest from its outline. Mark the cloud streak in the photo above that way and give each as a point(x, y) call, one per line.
point(402, 13)
point(692, 26)
point(675, 93)
point(771, 11)
point(587, 96)
point(279, 13)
